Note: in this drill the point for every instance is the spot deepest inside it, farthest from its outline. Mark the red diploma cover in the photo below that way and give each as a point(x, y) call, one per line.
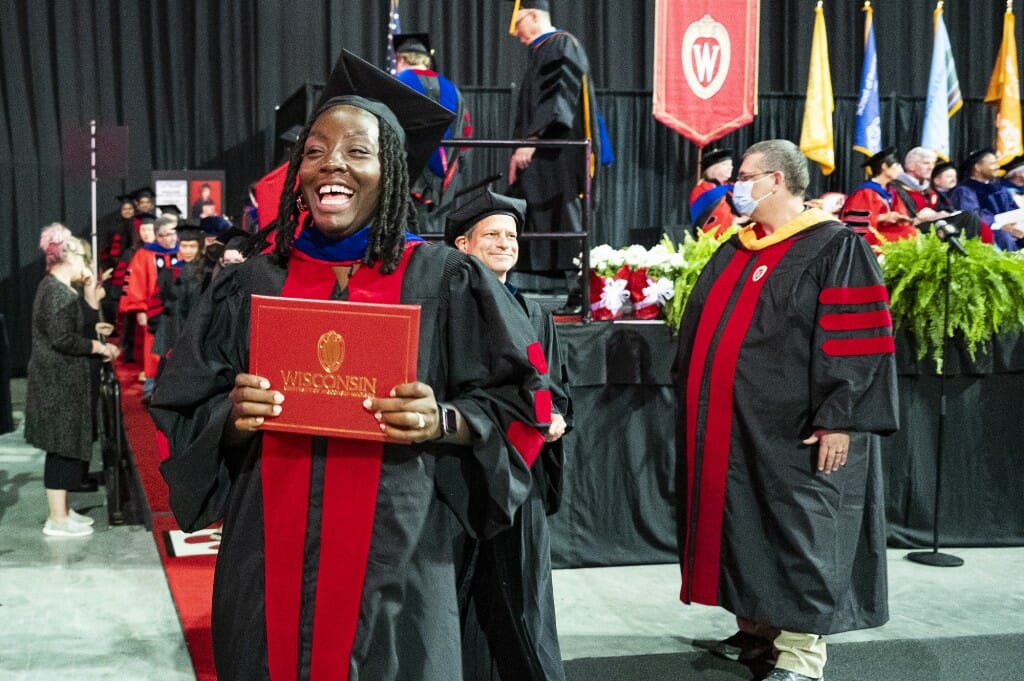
point(327, 356)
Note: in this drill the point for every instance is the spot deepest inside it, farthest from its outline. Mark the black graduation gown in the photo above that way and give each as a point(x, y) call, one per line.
point(509, 630)
point(472, 351)
point(774, 344)
point(550, 106)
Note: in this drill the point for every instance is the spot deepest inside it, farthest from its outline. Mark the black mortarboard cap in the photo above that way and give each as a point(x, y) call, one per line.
point(543, 5)
point(418, 120)
point(972, 158)
point(941, 168)
point(413, 42)
point(125, 198)
point(517, 5)
point(875, 160)
point(230, 233)
point(190, 235)
point(214, 225)
point(478, 205)
point(715, 156)
point(141, 192)
point(1014, 164)
point(170, 208)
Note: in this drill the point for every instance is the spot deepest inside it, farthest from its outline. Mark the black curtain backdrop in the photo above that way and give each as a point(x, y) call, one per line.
point(196, 84)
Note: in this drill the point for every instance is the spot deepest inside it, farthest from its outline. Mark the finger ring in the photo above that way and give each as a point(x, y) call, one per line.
point(422, 423)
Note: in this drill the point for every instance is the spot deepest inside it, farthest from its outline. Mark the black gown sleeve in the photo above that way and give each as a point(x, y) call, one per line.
point(191, 405)
point(853, 364)
point(494, 379)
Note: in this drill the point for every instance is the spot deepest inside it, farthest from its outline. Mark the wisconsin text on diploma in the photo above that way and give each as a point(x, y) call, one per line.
point(328, 384)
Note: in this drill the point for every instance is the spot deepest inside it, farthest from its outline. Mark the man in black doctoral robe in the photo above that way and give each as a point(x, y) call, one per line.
point(506, 599)
point(785, 376)
point(556, 102)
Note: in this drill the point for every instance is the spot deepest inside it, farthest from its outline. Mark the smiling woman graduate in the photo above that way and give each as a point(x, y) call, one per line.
point(336, 561)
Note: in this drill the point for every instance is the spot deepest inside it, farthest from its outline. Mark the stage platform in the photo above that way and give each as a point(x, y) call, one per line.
point(99, 608)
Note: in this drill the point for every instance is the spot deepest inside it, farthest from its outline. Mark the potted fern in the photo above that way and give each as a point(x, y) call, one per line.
point(986, 294)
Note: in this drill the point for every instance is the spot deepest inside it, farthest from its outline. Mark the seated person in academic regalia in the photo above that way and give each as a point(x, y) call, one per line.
point(508, 609)
point(943, 182)
point(979, 192)
point(871, 210)
point(1012, 181)
point(912, 191)
point(710, 210)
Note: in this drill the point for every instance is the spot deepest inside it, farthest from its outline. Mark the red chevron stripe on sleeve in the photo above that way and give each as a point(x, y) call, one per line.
point(850, 347)
point(853, 295)
point(852, 321)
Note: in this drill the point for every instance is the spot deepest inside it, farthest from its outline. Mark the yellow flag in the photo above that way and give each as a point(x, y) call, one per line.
point(816, 139)
point(1004, 94)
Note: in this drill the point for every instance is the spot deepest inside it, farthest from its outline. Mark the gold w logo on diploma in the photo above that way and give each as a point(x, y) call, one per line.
point(330, 350)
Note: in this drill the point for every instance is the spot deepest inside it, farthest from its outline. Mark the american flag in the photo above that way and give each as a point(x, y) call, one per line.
point(394, 28)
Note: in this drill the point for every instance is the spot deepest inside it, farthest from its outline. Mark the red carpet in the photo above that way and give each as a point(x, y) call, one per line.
point(190, 578)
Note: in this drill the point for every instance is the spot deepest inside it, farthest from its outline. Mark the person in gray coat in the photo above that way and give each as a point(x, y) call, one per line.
point(58, 402)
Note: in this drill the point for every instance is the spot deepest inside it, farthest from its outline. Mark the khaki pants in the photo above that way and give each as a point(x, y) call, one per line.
point(801, 653)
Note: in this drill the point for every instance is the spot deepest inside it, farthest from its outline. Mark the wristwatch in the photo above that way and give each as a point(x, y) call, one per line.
point(447, 419)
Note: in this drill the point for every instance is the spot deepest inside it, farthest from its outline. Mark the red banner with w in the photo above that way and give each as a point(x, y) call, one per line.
point(705, 66)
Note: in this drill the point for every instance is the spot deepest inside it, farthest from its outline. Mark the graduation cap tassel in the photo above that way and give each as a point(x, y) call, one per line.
point(512, 23)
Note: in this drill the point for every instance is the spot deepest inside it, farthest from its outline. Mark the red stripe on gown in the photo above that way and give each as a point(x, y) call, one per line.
point(714, 308)
point(718, 422)
point(853, 295)
point(855, 321)
point(351, 477)
point(853, 347)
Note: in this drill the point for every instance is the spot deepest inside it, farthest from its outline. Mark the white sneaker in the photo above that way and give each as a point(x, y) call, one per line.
point(79, 518)
point(68, 528)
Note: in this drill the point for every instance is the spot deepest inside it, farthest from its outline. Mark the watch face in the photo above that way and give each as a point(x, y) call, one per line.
point(448, 422)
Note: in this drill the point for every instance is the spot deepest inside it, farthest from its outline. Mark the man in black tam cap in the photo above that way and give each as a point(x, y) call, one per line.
point(979, 192)
point(434, 187)
point(507, 603)
point(556, 101)
point(337, 554)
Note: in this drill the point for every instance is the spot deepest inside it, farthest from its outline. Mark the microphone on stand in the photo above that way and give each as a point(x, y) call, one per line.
point(947, 233)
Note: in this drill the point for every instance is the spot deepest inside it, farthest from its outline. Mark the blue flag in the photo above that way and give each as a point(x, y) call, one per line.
point(868, 140)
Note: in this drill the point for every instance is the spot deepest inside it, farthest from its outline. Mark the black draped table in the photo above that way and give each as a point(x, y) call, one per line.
point(618, 503)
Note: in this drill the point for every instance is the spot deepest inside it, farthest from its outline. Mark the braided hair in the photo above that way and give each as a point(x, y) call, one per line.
point(394, 207)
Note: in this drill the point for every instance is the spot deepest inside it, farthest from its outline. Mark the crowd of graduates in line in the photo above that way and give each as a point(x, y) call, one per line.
point(156, 264)
point(897, 200)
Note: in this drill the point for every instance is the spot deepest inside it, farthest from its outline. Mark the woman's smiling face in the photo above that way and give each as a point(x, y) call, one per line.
point(339, 177)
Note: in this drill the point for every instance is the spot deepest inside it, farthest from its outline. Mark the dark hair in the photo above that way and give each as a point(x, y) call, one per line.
point(394, 207)
point(877, 166)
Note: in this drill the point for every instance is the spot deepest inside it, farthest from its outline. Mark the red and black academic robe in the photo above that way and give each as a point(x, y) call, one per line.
point(551, 106)
point(475, 354)
point(863, 208)
point(506, 598)
point(783, 336)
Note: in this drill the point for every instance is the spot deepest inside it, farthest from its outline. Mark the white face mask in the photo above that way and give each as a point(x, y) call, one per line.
point(744, 203)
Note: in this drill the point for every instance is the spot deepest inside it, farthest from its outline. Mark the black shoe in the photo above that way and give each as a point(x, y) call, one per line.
point(740, 647)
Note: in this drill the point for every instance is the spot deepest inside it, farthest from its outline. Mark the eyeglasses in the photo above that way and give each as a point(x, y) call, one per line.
point(747, 178)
